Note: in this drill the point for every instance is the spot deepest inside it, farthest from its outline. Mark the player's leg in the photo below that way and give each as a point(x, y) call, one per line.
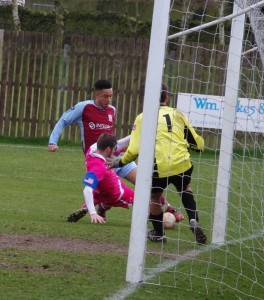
point(102, 206)
point(156, 210)
point(129, 172)
point(182, 182)
point(102, 209)
point(78, 214)
point(81, 212)
point(125, 200)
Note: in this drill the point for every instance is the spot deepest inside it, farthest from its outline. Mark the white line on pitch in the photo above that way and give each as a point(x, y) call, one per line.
point(130, 288)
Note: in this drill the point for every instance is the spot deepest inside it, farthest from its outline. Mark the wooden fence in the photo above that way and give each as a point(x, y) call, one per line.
point(41, 77)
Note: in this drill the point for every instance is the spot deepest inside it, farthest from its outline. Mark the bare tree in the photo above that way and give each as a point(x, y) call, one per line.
point(221, 5)
point(133, 28)
point(185, 19)
point(133, 22)
point(59, 12)
point(188, 8)
point(16, 20)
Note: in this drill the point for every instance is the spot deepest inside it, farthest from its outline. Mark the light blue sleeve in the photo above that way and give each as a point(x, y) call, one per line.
point(72, 115)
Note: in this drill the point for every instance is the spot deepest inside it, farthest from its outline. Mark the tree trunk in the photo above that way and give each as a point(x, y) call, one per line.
point(185, 19)
point(133, 27)
point(221, 25)
point(17, 24)
point(59, 12)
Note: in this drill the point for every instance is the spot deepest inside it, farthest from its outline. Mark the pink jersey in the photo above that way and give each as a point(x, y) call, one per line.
point(107, 186)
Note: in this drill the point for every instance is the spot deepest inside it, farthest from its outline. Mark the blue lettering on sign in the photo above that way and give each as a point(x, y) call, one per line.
point(249, 110)
point(202, 103)
point(261, 108)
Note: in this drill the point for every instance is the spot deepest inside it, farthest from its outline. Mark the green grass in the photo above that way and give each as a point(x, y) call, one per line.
point(39, 189)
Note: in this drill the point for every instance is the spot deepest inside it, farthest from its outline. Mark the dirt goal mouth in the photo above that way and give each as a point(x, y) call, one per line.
point(31, 242)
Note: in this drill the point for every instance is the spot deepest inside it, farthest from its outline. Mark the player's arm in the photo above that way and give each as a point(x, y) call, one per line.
point(73, 115)
point(122, 144)
point(90, 181)
point(132, 151)
point(120, 147)
point(195, 141)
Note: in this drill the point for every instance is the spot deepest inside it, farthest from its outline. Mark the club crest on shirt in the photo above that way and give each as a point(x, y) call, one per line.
point(110, 118)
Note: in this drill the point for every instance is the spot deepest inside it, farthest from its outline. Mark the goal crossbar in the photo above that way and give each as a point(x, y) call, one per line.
point(218, 21)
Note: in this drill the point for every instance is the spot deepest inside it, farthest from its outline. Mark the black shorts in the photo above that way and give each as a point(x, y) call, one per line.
point(180, 182)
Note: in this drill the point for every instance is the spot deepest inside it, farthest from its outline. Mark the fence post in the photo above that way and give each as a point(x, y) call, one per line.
point(1, 46)
point(63, 78)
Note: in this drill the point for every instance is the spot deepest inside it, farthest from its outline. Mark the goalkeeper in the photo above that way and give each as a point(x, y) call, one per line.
point(175, 136)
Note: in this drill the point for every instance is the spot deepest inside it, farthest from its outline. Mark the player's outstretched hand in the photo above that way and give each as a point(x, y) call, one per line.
point(113, 162)
point(95, 218)
point(53, 148)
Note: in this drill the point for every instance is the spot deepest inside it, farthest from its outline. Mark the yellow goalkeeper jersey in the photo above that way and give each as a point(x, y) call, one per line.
point(175, 135)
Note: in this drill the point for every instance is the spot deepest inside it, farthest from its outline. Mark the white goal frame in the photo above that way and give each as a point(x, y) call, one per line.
point(229, 115)
point(158, 42)
point(157, 48)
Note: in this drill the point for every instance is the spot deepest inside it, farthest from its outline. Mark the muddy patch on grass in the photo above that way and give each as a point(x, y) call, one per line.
point(31, 242)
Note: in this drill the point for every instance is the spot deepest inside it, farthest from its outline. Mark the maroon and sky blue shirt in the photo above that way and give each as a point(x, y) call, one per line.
point(93, 120)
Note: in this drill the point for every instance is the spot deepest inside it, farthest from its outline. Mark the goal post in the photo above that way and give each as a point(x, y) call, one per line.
point(229, 116)
point(158, 41)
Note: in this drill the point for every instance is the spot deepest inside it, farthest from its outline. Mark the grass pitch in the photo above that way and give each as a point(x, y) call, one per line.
point(44, 257)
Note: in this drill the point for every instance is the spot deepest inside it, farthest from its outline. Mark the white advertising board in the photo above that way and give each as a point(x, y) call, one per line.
point(206, 111)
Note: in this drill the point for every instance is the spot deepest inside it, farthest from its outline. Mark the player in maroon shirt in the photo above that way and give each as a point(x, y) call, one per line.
point(94, 117)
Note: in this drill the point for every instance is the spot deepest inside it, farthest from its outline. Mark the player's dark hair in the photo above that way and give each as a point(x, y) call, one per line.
point(164, 93)
point(106, 140)
point(102, 84)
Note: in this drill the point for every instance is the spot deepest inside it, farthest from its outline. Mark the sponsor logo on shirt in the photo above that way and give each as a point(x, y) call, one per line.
point(89, 180)
point(93, 125)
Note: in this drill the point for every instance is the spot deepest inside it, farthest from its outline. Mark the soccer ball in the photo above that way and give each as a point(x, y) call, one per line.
point(169, 221)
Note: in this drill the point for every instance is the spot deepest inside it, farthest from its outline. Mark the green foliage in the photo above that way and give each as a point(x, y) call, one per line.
point(76, 22)
point(6, 20)
point(37, 21)
point(103, 24)
point(100, 22)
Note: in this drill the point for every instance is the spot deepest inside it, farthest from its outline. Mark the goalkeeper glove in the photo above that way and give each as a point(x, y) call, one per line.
point(114, 162)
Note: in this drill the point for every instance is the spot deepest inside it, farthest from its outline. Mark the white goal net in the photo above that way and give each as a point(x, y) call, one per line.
point(214, 70)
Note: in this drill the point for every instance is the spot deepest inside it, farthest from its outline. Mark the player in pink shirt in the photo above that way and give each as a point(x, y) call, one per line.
point(103, 186)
